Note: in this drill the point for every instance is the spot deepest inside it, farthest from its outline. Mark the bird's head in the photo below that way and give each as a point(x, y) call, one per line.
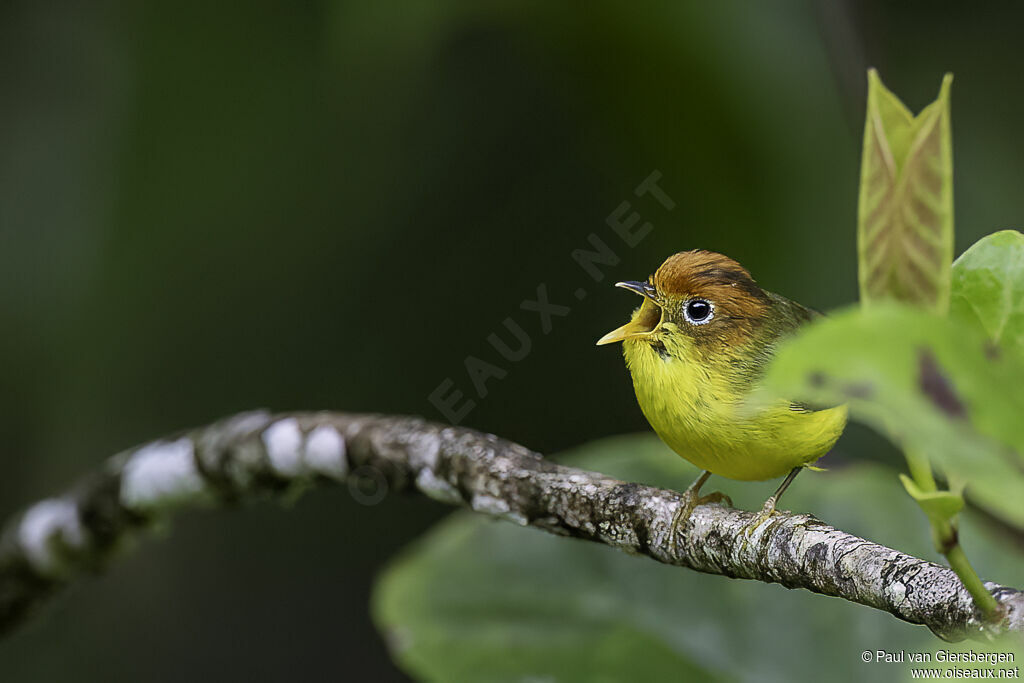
point(697, 301)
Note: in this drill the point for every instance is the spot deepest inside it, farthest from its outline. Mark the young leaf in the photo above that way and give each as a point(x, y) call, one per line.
point(988, 288)
point(940, 505)
point(930, 383)
point(905, 209)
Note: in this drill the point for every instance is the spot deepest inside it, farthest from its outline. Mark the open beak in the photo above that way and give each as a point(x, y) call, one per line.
point(644, 321)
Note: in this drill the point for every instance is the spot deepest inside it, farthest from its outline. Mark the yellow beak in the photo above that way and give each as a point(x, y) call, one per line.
point(634, 328)
point(645, 320)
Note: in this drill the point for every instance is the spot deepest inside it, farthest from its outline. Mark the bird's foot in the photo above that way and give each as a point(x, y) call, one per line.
point(691, 501)
point(760, 518)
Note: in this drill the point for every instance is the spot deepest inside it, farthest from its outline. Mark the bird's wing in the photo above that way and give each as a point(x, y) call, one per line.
point(794, 316)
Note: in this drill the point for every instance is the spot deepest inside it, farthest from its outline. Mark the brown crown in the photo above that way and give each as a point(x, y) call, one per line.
point(713, 276)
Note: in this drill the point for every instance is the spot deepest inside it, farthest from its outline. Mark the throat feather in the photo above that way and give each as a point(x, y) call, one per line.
point(659, 347)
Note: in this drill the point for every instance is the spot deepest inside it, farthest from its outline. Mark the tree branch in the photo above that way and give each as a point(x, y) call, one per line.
point(255, 454)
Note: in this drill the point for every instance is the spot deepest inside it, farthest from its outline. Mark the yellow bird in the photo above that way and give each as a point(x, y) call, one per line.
point(696, 348)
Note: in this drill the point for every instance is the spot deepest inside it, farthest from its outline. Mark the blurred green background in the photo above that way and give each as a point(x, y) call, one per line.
point(208, 208)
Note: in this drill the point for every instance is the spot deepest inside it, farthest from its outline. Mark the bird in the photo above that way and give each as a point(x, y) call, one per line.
point(697, 348)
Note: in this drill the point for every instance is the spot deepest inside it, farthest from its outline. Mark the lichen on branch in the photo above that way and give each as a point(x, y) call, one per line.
point(256, 454)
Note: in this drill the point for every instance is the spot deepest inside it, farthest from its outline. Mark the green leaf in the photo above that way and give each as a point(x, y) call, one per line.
point(988, 288)
point(932, 384)
point(905, 210)
point(480, 600)
point(939, 505)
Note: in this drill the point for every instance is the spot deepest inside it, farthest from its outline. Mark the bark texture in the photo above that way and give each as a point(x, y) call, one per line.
point(256, 454)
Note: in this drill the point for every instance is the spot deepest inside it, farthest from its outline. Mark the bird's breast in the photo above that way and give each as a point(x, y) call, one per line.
point(696, 408)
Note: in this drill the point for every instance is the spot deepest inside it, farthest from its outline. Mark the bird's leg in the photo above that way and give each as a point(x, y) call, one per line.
point(769, 505)
point(691, 499)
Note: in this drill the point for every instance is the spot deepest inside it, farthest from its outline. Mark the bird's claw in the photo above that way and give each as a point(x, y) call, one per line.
point(715, 497)
point(690, 501)
point(766, 513)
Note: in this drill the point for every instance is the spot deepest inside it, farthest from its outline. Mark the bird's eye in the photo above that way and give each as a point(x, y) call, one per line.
point(698, 311)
